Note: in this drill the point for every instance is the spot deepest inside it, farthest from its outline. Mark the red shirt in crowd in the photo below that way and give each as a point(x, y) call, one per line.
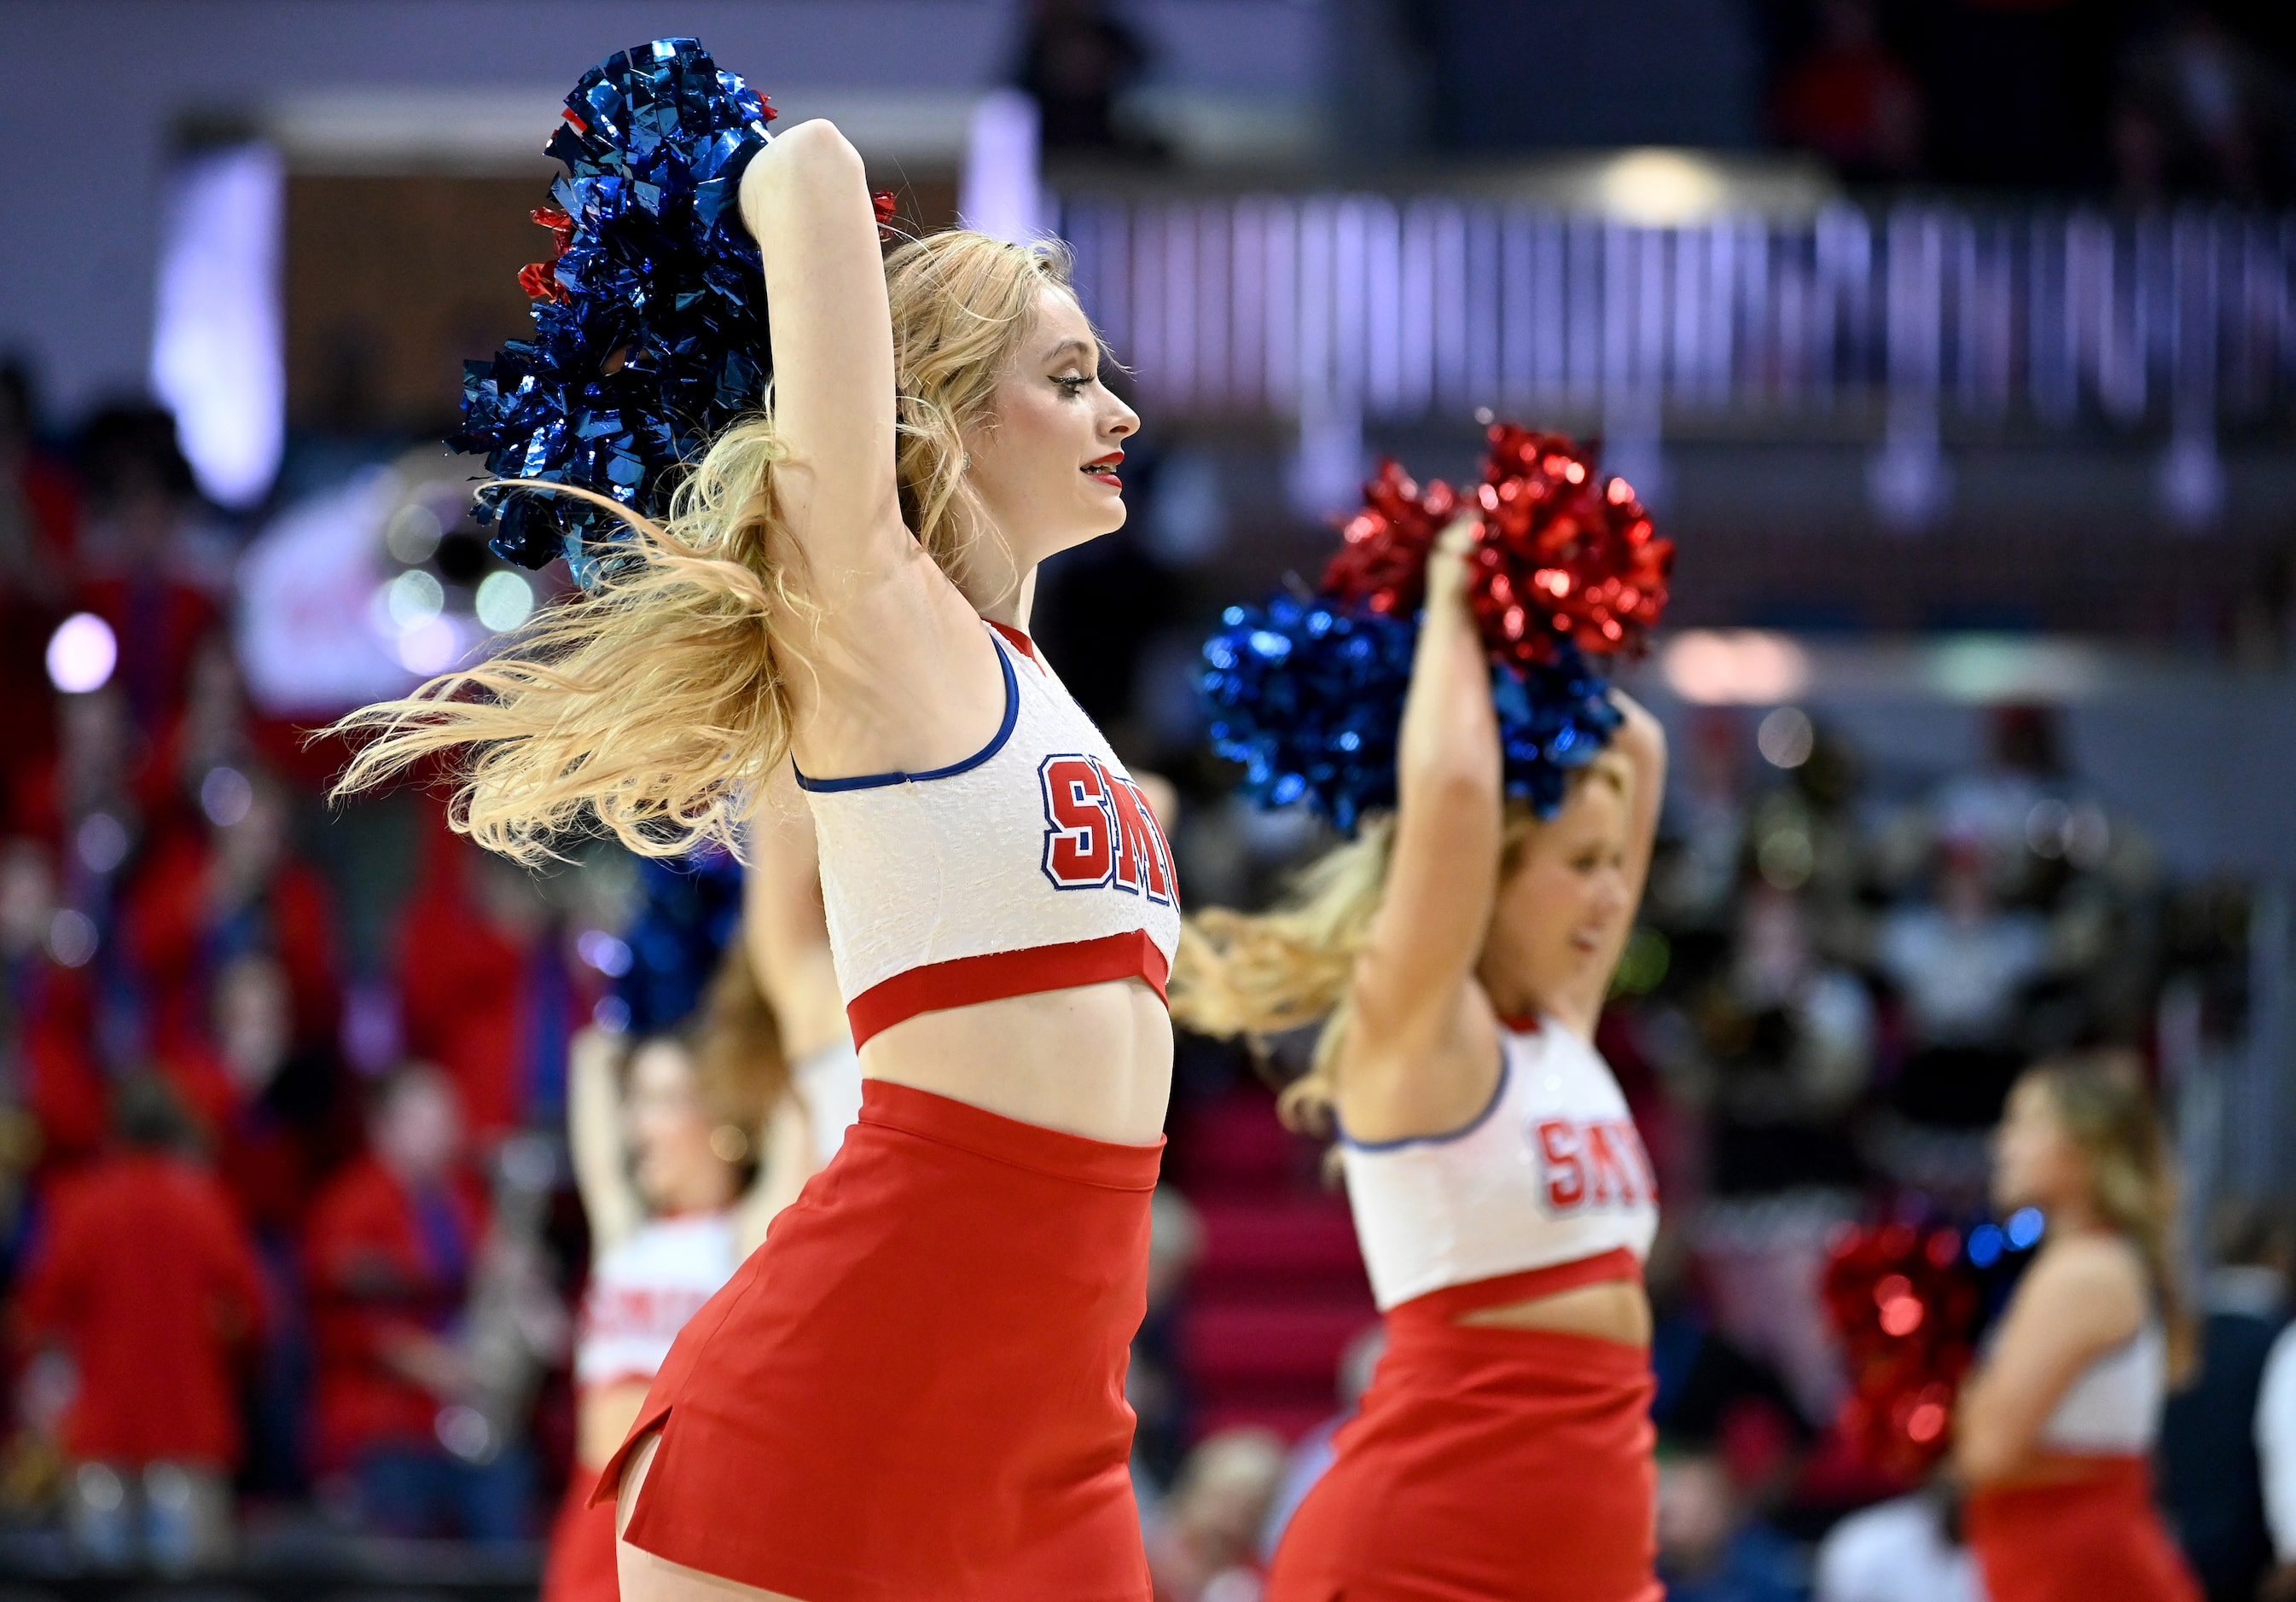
point(146, 1278)
point(383, 1264)
point(495, 1007)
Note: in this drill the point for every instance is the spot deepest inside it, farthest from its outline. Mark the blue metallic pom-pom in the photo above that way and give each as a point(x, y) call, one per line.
point(692, 908)
point(1307, 695)
point(650, 334)
point(1553, 718)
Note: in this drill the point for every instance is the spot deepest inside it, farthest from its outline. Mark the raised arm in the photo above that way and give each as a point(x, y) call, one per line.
point(1641, 741)
point(1442, 876)
point(805, 199)
point(782, 925)
point(593, 1135)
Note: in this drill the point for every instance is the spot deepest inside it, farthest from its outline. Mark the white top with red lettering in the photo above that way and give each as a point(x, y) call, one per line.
point(644, 1290)
point(1033, 865)
point(1550, 1172)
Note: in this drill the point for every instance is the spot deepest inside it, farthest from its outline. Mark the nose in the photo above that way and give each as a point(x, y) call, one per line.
point(1121, 423)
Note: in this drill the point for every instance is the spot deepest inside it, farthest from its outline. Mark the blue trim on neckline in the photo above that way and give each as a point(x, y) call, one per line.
point(1498, 1094)
point(867, 781)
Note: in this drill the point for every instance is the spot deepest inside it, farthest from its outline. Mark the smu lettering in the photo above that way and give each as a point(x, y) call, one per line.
point(1594, 1163)
point(1099, 832)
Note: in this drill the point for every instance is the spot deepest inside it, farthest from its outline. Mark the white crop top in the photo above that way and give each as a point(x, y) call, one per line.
point(644, 1290)
point(1033, 865)
point(1550, 1172)
point(2114, 1409)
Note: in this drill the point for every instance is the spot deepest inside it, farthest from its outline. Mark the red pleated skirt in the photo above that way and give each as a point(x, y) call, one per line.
point(914, 1392)
point(579, 1567)
point(2079, 1540)
point(1487, 1464)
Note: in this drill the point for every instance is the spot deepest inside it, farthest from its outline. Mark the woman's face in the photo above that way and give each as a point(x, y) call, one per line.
point(2034, 1161)
point(671, 1159)
point(1559, 914)
point(1045, 463)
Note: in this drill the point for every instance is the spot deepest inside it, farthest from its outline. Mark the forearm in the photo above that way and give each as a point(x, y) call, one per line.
point(1449, 740)
point(593, 1139)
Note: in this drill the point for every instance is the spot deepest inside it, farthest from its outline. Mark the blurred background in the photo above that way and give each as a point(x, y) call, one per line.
point(1953, 340)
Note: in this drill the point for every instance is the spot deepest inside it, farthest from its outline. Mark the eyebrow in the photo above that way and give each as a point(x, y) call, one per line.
point(1081, 346)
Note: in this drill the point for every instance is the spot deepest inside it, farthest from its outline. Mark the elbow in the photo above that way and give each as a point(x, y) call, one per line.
point(1982, 1458)
point(810, 153)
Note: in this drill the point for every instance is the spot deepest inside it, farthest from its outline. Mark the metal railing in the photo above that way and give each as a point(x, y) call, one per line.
point(1338, 309)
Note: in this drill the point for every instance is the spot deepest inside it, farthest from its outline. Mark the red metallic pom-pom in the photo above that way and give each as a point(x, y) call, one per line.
point(1563, 553)
point(883, 200)
point(1382, 560)
point(1904, 1308)
point(536, 277)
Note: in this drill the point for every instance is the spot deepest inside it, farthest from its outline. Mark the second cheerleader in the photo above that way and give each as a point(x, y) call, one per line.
point(1461, 950)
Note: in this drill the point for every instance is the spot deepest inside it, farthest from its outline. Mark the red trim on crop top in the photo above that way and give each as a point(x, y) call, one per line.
point(994, 975)
point(1019, 641)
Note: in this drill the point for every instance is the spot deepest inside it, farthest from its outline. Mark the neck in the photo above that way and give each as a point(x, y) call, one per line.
point(1011, 607)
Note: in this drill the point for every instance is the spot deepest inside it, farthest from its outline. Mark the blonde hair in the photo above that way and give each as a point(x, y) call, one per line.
point(2100, 1101)
point(1259, 974)
point(658, 702)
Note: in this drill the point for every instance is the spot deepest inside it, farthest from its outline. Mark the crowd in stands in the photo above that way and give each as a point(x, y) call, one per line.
point(286, 1229)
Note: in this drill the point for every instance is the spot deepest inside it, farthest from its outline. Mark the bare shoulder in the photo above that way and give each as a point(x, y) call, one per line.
point(2097, 1280)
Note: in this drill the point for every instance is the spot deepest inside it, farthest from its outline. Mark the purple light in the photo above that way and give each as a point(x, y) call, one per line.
point(81, 654)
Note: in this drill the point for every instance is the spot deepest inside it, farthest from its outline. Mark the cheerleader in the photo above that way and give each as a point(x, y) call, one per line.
point(2052, 1436)
point(1462, 949)
point(686, 1142)
point(914, 1388)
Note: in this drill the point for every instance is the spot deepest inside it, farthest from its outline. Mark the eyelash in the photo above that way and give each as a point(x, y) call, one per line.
point(1073, 386)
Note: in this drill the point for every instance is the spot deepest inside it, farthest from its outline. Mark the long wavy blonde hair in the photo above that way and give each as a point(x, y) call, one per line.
point(657, 703)
point(2101, 1100)
point(1254, 975)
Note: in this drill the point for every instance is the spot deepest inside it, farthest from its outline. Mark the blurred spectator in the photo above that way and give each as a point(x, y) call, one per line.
point(2200, 112)
point(1204, 1547)
point(1791, 1037)
point(390, 1253)
point(1850, 99)
point(232, 888)
point(152, 566)
point(1906, 1549)
point(2209, 1478)
point(1961, 961)
point(1713, 1396)
point(1709, 1548)
point(1313, 1451)
point(1077, 59)
point(46, 1012)
point(486, 986)
point(146, 1283)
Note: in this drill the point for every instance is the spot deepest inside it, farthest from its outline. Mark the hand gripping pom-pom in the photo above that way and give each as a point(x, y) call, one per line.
point(1382, 559)
point(1564, 554)
point(1905, 1306)
point(649, 317)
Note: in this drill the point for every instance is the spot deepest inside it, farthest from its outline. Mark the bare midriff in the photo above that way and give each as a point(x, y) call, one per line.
point(1616, 1310)
point(1092, 1060)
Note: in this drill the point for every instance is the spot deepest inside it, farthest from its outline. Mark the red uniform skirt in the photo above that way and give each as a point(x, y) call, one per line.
point(580, 1564)
point(914, 1392)
point(2079, 1540)
point(1488, 1465)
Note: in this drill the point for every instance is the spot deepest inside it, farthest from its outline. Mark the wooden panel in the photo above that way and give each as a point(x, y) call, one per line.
point(392, 281)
